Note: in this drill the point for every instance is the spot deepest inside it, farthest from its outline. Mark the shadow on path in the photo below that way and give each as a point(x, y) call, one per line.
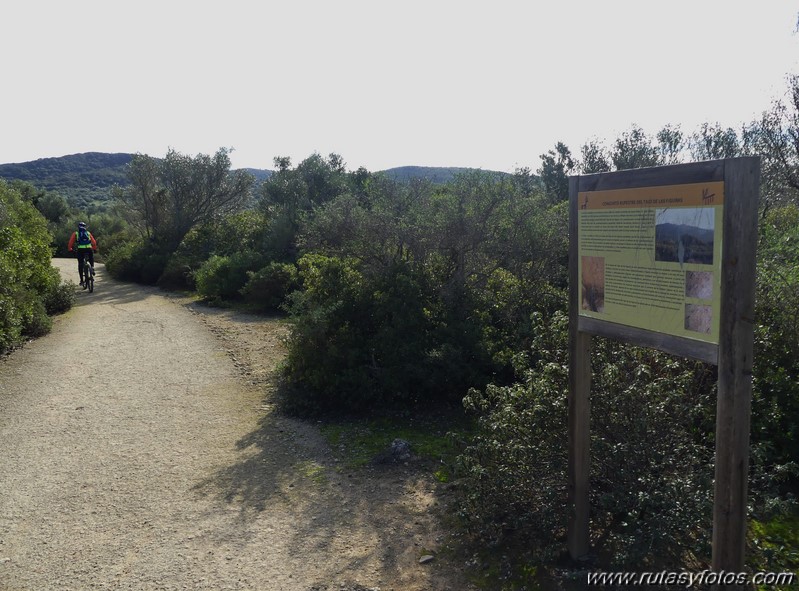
point(376, 519)
point(106, 289)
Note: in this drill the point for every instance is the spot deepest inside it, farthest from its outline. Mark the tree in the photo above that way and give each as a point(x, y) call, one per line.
point(526, 182)
point(51, 205)
point(314, 181)
point(282, 163)
point(634, 149)
point(290, 196)
point(556, 165)
point(594, 158)
point(200, 188)
point(713, 142)
point(143, 203)
point(169, 197)
point(776, 138)
point(671, 143)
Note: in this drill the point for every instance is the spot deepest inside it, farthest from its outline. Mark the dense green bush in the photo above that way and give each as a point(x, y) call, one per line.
point(144, 261)
point(651, 502)
point(126, 261)
point(362, 341)
point(223, 236)
point(267, 288)
point(221, 278)
point(60, 299)
point(775, 396)
point(178, 274)
point(653, 418)
point(514, 467)
point(27, 279)
point(327, 361)
point(35, 321)
point(424, 318)
point(137, 260)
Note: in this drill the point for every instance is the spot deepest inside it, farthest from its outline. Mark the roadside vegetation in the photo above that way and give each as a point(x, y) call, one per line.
point(413, 299)
point(30, 288)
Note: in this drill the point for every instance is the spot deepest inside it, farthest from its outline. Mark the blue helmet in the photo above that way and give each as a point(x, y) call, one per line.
point(81, 224)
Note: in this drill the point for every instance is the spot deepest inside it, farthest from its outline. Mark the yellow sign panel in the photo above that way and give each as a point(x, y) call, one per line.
point(650, 257)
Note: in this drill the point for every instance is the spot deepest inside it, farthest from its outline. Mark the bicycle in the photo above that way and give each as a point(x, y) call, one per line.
point(88, 274)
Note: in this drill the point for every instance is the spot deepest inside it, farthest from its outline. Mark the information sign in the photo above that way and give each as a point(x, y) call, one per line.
point(664, 257)
point(650, 258)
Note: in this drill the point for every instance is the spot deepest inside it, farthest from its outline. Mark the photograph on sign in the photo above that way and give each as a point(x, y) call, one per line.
point(684, 235)
point(649, 257)
point(593, 283)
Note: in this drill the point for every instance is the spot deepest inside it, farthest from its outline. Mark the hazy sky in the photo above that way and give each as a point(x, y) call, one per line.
point(700, 217)
point(490, 85)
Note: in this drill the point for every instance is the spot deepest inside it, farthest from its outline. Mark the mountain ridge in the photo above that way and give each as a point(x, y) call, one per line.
point(88, 177)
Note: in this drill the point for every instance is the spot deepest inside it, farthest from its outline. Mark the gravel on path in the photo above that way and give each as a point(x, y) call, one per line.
point(136, 454)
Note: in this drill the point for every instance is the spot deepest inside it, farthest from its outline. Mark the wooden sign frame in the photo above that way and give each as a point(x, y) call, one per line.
point(732, 353)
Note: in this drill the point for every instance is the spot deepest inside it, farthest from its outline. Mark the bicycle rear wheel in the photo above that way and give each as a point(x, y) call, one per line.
point(88, 275)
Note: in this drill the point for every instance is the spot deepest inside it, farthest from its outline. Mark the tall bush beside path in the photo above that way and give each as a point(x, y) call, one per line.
point(168, 198)
point(29, 285)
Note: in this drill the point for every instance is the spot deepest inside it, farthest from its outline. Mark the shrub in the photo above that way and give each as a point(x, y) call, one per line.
point(178, 273)
point(651, 481)
point(362, 340)
point(136, 261)
point(124, 263)
point(326, 354)
point(653, 423)
point(224, 236)
point(153, 263)
point(775, 396)
point(26, 275)
point(10, 323)
point(221, 278)
point(60, 299)
point(35, 321)
point(515, 465)
point(267, 288)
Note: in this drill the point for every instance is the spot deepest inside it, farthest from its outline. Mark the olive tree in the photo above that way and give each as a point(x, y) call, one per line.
point(170, 196)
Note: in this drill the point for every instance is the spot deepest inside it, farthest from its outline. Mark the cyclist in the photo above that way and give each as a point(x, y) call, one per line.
point(86, 247)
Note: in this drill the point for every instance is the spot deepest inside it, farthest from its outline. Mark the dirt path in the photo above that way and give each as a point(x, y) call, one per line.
point(139, 451)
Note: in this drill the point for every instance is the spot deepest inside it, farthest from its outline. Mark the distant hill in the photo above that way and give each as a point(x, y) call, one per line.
point(80, 178)
point(434, 174)
point(259, 174)
point(697, 244)
point(86, 180)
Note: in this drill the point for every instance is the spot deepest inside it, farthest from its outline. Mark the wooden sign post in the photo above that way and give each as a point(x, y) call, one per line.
point(665, 257)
